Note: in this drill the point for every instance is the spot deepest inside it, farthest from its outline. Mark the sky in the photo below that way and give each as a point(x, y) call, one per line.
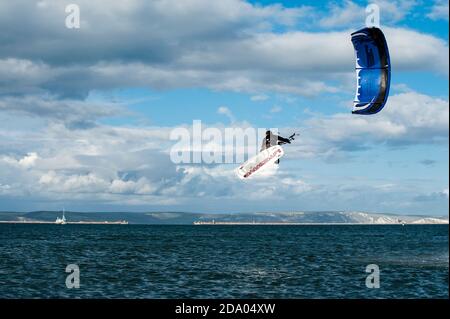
point(86, 113)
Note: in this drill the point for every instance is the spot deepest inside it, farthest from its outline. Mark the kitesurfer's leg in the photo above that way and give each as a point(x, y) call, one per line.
point(282, 140)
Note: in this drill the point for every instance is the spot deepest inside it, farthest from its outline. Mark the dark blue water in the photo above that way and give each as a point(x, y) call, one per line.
point(131, 261)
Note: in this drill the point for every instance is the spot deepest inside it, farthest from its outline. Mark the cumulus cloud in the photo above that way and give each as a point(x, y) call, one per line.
point(72, 113)
point(408, 118)
point(91, 183)
point(23, 76)
point(276, 109)
point(435, 196)
point(48, 72)
point(104, 161)
point(110, 162)
point(236, 46)
point(348, 12)
point(352, 14)
point(4, 188)
point(439, 11)
point(131, 167)
point(28, 161)
point(259, 97)
point(163, 24)
point(227, 112)
point(427, 52)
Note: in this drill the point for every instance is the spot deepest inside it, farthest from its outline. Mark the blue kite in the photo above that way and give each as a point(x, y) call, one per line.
point(373, 71)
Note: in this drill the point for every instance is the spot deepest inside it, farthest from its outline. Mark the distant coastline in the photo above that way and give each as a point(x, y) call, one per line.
point(199, 223)
point(124, 222)
point(189, 218)
point(305, 224)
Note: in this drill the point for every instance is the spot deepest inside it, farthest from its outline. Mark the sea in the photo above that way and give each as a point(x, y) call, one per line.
point(228, 261)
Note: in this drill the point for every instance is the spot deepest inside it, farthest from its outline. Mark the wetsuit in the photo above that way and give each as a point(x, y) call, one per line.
point(272, 140)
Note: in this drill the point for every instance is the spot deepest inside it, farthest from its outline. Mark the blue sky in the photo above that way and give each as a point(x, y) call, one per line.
point(86, 113)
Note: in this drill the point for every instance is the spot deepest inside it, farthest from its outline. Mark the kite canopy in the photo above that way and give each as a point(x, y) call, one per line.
point(373, 70)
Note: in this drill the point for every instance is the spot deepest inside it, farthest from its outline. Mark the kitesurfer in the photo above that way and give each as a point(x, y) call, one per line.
point(272, 139)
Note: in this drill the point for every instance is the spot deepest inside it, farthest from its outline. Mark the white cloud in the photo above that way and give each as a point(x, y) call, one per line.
point(227, 112)
point(351, 14)
point(73, 113)
point(298, 63)
point(295, 186)
point(276, 109)
point(401, 87)
point(29, 160)
point(141, 187)
point(411, 50)
point(233, 47)
point(439, 11)
point(130, 167)
point(344, 15)
point(395, 11)
point(91, 183)
point(25, 162)
point(408, 118)
point(259, 97)
point(4, 189)
point(75, 183)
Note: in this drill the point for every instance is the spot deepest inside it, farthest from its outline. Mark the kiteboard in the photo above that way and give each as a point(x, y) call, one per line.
point(260, 161)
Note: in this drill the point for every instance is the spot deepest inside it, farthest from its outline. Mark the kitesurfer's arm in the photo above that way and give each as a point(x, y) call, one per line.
point(282, 140)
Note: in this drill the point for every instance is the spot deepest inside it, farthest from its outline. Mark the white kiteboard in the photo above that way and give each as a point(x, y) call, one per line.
point(259, 162)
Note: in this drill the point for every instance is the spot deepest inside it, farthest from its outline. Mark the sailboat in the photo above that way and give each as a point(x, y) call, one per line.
point(61, 221)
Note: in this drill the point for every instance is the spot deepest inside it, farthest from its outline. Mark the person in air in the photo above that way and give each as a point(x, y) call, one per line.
point(272, 139)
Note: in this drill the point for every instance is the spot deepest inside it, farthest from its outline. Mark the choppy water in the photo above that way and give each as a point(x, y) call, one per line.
point(134, 261)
